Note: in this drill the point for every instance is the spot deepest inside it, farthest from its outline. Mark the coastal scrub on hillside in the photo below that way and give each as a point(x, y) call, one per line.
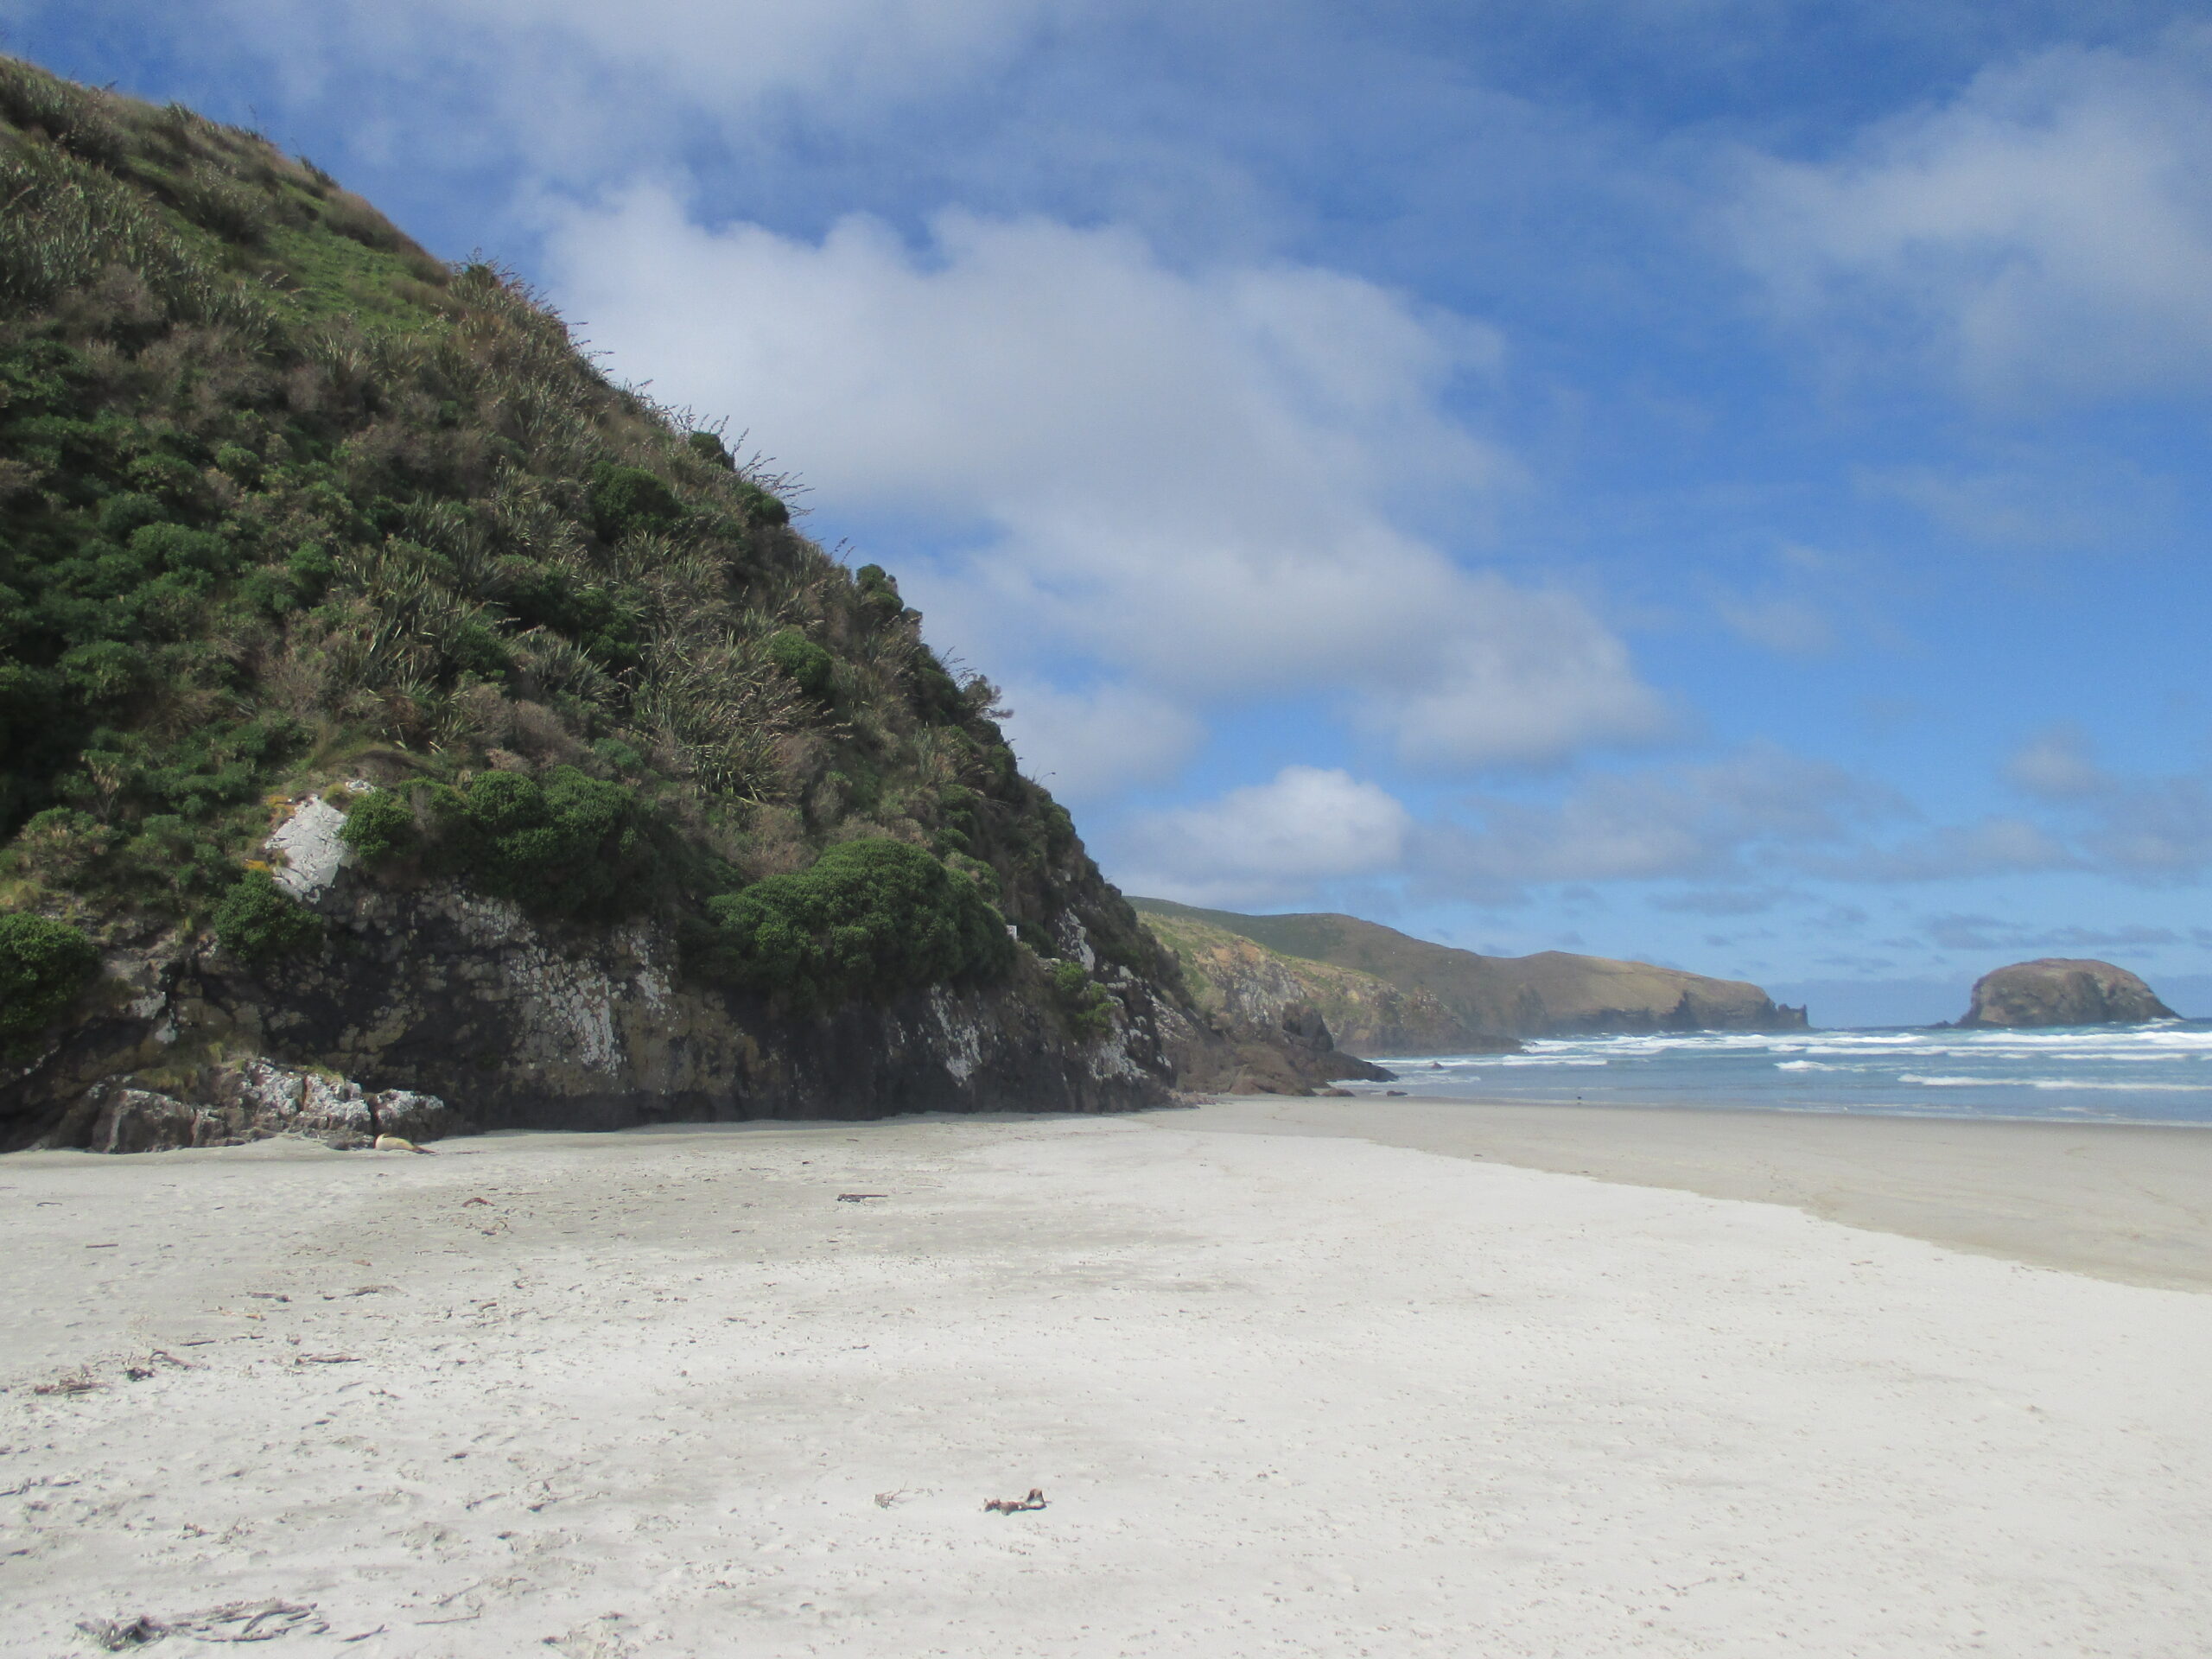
point(295, 518)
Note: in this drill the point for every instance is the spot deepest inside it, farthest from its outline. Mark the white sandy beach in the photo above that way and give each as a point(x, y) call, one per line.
point(1287, 1392)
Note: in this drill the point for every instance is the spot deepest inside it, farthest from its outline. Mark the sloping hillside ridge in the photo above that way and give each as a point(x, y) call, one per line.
point(1239, 981)
point(1551, 994)
point(394, 707)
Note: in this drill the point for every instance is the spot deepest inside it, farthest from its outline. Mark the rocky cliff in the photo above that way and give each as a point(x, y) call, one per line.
point(436, 991)
point(1552, 994)
point(396, 710)
point(2062, 991)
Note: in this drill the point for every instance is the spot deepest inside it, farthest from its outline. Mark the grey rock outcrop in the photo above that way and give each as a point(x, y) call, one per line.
point(1285, 1048)
point(452, 1010)
point(2062, 991)
point(226, 1105)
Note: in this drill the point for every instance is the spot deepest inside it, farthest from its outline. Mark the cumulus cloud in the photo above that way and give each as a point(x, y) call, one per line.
point(564, 80)
point(1085, 745)
point(1720, 901)
point(2042, 503)
point(1719, 820)
point(1992, 845)
point(2049, 229)
point(1178, 477)
point(1969, 932)
point(2155, 829)
point(1742, 833)
point(1305, 827)
point(1785, 626)
point(2057, 765)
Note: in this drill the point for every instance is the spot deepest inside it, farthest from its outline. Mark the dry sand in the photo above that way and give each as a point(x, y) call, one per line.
point(1286, 1394)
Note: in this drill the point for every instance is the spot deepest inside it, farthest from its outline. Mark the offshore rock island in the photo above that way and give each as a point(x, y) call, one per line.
point(2062, 991)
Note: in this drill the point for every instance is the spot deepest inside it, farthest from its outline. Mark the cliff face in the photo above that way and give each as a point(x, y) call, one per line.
point(1552, 994)
point(2062, 991)
point(442, 993)
point(600, 793)
point(1240, 979)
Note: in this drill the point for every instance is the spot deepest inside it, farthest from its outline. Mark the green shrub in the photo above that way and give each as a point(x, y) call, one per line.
point(624, 499)
point(808, 665)
point(178, 550)
point(380, 827)
point(128, 511)
point(566, 845)
point(43, 964)
point(240, 463)
point(762, 507)
point(870, 918)
point(878, 590)
point(258, 921)
point(1086, 1005)
point(104, 670)
point(709, 448)
point(62, 847)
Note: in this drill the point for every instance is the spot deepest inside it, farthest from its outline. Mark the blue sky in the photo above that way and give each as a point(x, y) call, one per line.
point(1717, 481)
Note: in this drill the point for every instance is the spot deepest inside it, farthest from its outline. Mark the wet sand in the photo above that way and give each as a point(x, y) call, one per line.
point(2123, 1201)
point(669, 1394)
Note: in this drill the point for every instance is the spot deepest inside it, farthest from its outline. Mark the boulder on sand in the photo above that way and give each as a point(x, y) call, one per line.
point(2062, 991)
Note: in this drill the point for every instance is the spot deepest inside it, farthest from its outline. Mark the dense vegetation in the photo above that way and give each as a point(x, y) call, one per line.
point(43, 964)
point(285, 501)
point(869, 916)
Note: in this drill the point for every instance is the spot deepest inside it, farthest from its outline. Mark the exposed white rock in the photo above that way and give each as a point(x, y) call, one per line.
point(311, 852)
point(963, 1040)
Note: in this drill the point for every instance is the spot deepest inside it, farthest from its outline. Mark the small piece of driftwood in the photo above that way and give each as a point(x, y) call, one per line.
point(858, 1197)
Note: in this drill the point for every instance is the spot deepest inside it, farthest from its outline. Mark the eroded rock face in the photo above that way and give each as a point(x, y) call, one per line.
point(448, 1010)
point(2062, 991)
point(228, 1104)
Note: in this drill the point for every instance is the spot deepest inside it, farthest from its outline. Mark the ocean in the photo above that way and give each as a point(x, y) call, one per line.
point(2160, 1073)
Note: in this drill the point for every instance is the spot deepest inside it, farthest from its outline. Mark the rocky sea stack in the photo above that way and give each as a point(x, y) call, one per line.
point(403, 721)
point(2062, 991)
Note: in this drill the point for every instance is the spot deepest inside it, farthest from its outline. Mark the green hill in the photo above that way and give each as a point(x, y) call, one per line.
point(1550, 994)
point(1234, 974)
point(597, 791)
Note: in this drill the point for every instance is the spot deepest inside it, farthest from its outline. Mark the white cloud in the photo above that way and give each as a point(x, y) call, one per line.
point(2058, 765)
point(1085, 745)
point(567, 80)
point(1267, 841)
point(1785, 626)
point(2047, 230)
point(1963, 933)
point(2157, 830)
point(1992, 845)
point(2154, 830)
point(1179, 477)
point(1719, 820)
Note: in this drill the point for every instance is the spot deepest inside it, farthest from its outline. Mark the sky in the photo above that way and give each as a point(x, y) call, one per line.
point(1718, 482)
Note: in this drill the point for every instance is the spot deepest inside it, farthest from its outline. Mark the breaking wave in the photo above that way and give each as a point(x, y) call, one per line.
point(2152, 1073)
